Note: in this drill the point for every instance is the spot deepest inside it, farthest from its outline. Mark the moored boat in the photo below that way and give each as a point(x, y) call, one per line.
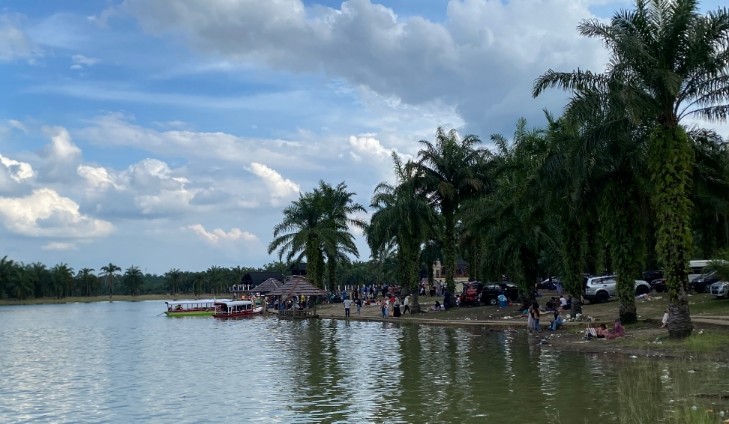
point(186, 308)
point(236, 309)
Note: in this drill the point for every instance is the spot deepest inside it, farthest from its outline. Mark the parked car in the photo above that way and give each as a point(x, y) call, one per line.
point(702, 283)
point(659, 285)
point(549, 284)
point(720, 289)
point(601, 289)
point(649, 276)
point(491, 291)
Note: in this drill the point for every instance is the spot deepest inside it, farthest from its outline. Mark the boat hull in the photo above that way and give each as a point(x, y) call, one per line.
point(239, 314)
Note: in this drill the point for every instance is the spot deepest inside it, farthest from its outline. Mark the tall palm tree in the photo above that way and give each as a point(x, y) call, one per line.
point(448, 172)
point(110, 272)
point(402, 217)
point(62, 279)
point(338, 208)
point(87, 281)
point(667, 62)
point(9, 273)
point(134, 280)
point(173, 277)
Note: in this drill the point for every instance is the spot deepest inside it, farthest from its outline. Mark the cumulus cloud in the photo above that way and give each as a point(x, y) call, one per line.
point(369, 146)
point(97, 178)
point(280, 187)
point(18, 171)
point(45, 213)
point(464, 60)
point(218, 235)
point(60, 158)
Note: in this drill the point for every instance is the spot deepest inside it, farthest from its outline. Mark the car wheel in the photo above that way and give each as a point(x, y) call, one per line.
point(603, 296)
point(659, 289)
point(493, 301)
point(641, 290)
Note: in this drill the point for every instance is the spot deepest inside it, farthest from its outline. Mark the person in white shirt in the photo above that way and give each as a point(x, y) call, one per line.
point(347, 306)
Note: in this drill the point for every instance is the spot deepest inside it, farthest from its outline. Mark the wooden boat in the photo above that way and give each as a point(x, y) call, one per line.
point(236, 309)
point(186, 308)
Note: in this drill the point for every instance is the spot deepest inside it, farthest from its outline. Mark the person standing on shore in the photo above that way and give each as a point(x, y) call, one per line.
point(406, 305)
point(347, 306)
point(358, 302)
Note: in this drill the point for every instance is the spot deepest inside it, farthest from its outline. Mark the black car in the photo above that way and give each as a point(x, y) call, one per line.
point(491, 291)
point(649, 276)
point(658, 285)
point(702, 283)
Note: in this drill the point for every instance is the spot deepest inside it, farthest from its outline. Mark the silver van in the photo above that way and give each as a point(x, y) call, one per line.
point(601, 289)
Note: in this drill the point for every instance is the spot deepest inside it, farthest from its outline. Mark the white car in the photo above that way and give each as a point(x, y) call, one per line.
point(720, 289)
point(601, 289)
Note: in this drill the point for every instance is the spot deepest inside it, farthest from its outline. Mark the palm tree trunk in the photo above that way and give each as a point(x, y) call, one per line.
point(449, 250)
point(670, 166)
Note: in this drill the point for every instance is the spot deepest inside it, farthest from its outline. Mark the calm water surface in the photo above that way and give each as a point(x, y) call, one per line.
point(122, 362)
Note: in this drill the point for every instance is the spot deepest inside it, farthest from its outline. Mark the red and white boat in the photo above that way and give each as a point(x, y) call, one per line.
point(236, 309)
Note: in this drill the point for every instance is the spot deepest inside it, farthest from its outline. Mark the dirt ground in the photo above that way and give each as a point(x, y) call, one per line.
point(644, 338)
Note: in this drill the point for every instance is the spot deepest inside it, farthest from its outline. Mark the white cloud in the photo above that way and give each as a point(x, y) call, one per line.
point(16, 170)
point(368, 145)
point(79, 61)
point(60, 158)
point(14, 42)
point(280, 187)
point(58, 246)
point(45, 213)
point(218, 235)
point(96, 177)
point(482, 52)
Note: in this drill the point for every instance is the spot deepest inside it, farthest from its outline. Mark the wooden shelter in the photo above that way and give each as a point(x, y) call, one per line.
point(297, 286)
point(266, 287)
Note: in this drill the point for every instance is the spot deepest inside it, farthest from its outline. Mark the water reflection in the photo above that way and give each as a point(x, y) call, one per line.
point(119, 362)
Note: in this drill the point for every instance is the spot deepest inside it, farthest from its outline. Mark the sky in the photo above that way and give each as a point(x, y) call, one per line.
point(172, 133)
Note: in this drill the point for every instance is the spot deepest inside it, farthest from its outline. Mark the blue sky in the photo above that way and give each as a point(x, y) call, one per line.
point(171, 133)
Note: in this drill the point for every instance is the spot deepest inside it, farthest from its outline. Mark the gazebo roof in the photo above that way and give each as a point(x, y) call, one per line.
point(267, 286)
point(298, 286)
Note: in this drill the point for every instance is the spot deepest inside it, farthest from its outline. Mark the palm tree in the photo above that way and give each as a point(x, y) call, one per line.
point(110, 272)
point(173, 277)
point(512, 217)
point(448, 172)
point(134, 280)
point(404, 218)
point(667, 62)
point(87, 281)
point(338, 208)
point(9, 273)
point(62, 280)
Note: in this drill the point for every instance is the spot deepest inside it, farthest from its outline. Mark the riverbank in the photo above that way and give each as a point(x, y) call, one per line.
point(644, 338)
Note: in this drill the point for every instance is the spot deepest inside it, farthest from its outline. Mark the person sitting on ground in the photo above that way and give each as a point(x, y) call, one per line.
point(617, 331)
point(554, 326)
point(596, 333)
point(436, 307)
point(551, 305)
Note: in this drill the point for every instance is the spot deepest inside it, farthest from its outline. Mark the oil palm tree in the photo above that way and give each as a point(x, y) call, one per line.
point(173, 277)
point(667, 62)
point(403, 218)
point(134, 280)
point(338, 208)
point(87, 281)
point(110, 272)
point(447, 172)
point(62, 280)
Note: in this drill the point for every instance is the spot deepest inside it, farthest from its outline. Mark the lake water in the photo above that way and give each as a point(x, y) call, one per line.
point(123, 362)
